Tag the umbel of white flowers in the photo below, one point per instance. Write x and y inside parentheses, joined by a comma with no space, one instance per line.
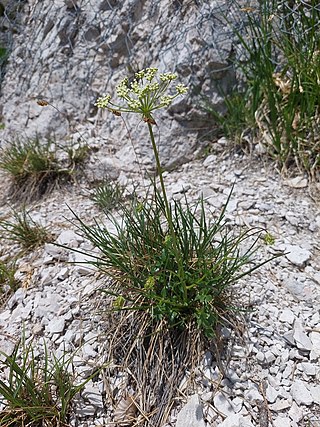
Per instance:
(144,95)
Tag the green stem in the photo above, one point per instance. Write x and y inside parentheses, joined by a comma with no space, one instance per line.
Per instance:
(168,211)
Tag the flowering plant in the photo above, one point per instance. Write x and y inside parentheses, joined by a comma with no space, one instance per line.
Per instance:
(144,95)
(168,259)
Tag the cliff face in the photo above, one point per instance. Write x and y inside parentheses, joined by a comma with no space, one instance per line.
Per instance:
(67,52)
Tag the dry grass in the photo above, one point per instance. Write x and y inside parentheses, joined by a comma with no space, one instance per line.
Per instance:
(150,362)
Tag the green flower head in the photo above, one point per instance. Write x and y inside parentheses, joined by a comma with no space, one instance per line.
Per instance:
(144,94)
(150,283)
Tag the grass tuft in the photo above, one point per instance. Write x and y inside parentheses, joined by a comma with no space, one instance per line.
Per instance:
(24,231)
(147,276)
(34,167)
(37,392)
(8,282)
(279,60)
(108,195)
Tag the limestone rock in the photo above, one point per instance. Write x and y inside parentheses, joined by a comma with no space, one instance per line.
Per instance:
(223,404)
(191,415)
(301,338)
(300,393)
(297,255)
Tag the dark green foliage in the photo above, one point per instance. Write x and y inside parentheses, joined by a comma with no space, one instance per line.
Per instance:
(279,51)
(34,167)
(37,392)
(140,257)
(24,231)
(108,195)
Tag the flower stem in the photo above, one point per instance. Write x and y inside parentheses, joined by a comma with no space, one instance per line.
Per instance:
(168,212)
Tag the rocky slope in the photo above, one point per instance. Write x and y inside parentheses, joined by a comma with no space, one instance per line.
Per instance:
(272,377)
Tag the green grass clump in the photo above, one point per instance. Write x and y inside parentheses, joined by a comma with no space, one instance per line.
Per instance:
(37,392)
(237,121)
(147,276)
(24,231)
(166,258)
(8,283)
(34,167)
(279,58)
(28,158)
(108,195)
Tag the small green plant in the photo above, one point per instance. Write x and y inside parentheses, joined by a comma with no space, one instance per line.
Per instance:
(24,231)
(269,239)
(37,392)
(34,166)
(140,257)
(77,154)
(108,194)
(280,62)
(166,258)
(7,279)
(237,120)
(21,159)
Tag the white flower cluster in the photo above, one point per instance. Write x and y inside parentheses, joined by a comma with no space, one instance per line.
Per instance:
(166,100)
(144,94)
(103,101)
(148,74)
(181,89)
(167,77)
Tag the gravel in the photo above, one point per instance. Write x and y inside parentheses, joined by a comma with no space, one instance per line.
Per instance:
(273,373)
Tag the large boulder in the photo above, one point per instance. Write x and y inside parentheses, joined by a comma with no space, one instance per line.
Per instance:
(67,52)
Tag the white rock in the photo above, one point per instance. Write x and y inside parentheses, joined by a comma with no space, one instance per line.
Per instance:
(210,160)
(271,394)
(260,356)
(232,421)
(89,288)
(57,253)
(280,405)
(315,340)
(210,374)
(237,404)
(6,347)
(297,255)
(56,325)
(287,316)
(207,397)
(253,395)
(236,420)
(307,368)
(5,316)
(282,422)
(93,395)
(300,393)
(295,412)
(207,359)
(239,351)
(88,351)
(269,356)
(297,182)
(69,238)
(83,266)
(223,404)
(17,297)
(246,422)
(315,393)
(85,410)
(180,187)
(191,415)
(285,355)
(301,338)
(63,273)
